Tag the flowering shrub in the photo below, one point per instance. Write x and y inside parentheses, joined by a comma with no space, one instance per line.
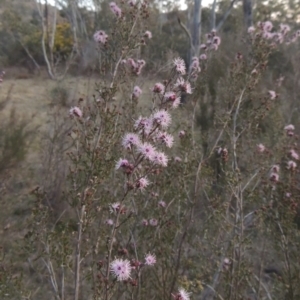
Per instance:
(155,207)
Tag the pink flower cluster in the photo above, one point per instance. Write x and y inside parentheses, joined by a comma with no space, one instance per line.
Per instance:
(135,66)
(140,146)
(122,268)
(195,66)
(100,37)
(291,165)
(274,175)
(115,9)
(265,30)
(212,42)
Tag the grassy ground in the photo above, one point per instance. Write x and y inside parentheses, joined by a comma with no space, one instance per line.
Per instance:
(32,99)
(35,99)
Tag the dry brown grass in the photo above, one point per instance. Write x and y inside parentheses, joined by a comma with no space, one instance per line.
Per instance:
(32,99)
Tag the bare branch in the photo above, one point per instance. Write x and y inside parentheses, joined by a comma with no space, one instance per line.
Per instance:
(226,15)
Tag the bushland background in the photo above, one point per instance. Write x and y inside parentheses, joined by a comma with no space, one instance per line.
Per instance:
(51,61)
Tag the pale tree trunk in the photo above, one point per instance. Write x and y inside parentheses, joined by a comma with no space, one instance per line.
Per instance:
(196,30)
(48,52)
(213,15)
(49,63)
(247,9)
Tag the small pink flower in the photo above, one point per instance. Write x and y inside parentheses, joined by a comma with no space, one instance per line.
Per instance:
(251,29)
(203,57)
(115,9)
(121,269)
(131,63)
(254,72)
(184,86)
(129,140)
(153,222)
(115,207)
(216,40)
(101,37)
(144,222)
(181,133)
(261,148)
(274,177)
(267,26)
(158,88)
(137,66)
(203,46)
(289,127)
(160,158)
(214,47)
(284,28)
(291,165)
(147,150)
(132,2)
(275,168)
(268,35)
(260,25)
(294,154)
(278,37)
(165,138)
(144,124)
(176,103)
(142,183)
(121,163)
(272,94)
(148,34)
(182,295)
(162,203)
(170,96)
(150,259)
(109,222)
(162,118)
(180,65)
(288,195)
(195,65)
(140,64)
(177,159)
(75,112)
(226,263)
(136,92)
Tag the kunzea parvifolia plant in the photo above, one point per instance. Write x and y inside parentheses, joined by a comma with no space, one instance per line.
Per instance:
(148,213)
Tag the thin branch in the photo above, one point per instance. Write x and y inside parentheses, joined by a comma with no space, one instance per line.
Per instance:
(187,33)
(226,15)
(78,251)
